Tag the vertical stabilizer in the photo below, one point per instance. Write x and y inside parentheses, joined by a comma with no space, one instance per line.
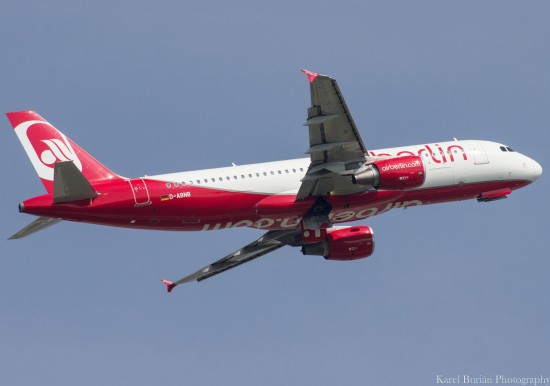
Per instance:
(46,146)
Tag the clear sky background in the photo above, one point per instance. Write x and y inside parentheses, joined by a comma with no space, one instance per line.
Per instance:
(157,87)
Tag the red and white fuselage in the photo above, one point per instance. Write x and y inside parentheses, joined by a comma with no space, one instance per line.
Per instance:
(263,195)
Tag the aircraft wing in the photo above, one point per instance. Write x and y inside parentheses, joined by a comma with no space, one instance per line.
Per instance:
(269,242)
(335,146)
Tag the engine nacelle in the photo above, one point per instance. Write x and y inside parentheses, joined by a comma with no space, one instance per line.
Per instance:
(393,174)
(345,243)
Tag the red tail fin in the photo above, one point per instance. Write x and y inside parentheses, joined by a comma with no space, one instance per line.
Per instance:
(45,146)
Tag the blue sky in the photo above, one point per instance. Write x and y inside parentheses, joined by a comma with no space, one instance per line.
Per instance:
(152,88)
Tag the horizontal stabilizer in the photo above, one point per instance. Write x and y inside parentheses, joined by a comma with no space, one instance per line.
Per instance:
(69,184)
(35,226)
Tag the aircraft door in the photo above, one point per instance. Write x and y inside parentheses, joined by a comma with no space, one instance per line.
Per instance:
(480,155)
(140,192)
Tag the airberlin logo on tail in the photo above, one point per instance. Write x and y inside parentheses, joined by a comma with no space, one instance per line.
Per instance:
(58,151)
(401,165)
(45,146)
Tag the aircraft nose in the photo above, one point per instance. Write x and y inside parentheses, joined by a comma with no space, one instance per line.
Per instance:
(536,168)
(531,169)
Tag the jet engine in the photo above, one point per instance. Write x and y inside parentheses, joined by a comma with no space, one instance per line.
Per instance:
(343,243)
(398,173)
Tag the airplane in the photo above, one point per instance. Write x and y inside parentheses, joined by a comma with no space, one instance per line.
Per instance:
(299,202)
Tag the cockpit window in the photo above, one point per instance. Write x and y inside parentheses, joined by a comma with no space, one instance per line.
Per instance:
(503,148)
(509,149)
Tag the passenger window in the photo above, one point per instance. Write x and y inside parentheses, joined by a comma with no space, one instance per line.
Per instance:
(265,174)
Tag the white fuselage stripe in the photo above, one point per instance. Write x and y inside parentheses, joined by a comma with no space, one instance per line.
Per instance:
(447,163)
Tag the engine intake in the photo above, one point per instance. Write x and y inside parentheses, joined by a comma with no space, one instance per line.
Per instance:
(398,173)
(346,243)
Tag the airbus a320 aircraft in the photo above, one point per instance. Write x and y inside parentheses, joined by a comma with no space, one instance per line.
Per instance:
(298,202)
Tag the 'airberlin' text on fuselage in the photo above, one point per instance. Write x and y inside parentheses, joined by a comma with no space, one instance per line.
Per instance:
(293,222)
(437,155)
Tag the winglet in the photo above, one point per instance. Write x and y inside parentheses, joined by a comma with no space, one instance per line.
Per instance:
(310,75)
(169,285)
